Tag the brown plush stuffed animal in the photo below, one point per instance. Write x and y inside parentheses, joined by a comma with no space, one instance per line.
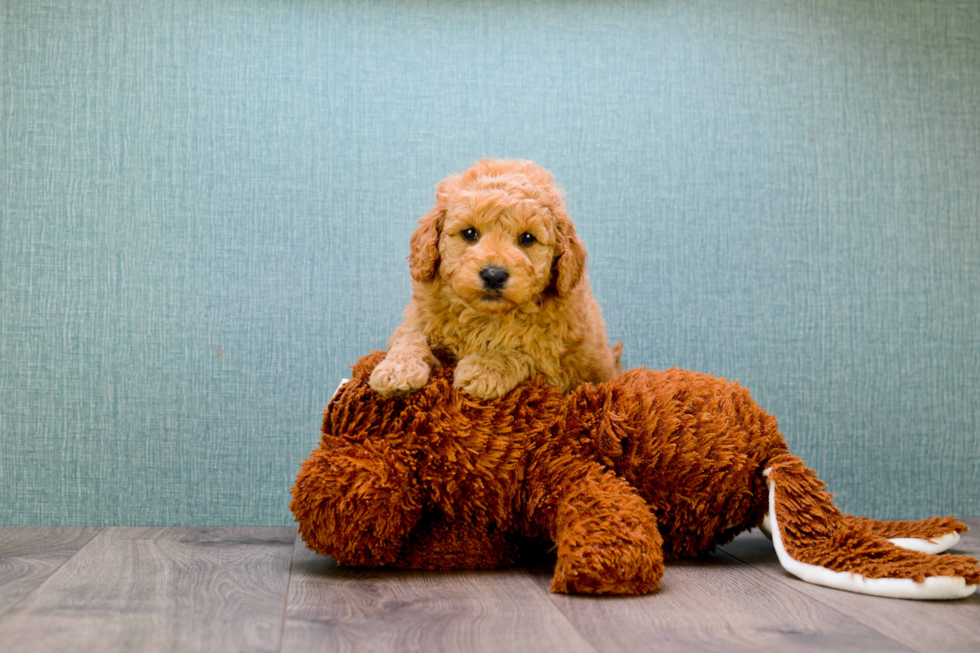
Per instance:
(619,476)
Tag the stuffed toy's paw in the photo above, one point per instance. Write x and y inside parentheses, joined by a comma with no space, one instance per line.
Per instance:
(370,481)
(621,557)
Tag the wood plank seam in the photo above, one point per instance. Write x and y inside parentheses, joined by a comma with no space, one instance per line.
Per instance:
(13,608)
(550,596)
(285,600)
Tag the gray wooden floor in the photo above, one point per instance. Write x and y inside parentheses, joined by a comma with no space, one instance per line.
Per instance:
(245,589)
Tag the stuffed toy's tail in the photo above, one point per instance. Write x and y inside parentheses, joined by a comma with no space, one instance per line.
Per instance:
(818,544)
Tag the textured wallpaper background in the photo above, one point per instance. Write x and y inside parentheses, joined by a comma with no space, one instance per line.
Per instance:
(205,209)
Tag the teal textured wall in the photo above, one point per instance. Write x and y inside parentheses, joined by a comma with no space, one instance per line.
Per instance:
(205,209)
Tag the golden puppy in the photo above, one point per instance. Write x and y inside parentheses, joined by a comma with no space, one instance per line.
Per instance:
(499,282)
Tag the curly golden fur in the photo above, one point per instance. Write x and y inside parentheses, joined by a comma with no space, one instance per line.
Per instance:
(498,282)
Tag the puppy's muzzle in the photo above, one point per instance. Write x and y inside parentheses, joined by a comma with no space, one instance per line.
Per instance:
(494,278)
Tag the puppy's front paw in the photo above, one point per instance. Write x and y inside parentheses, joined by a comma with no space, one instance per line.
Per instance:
(399,376)
(477,379)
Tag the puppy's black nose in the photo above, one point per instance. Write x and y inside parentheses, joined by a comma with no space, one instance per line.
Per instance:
(494,278)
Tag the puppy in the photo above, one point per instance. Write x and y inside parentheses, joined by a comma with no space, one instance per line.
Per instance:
(498,282)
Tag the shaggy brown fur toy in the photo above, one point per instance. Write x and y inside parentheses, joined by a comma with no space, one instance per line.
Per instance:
(619,476)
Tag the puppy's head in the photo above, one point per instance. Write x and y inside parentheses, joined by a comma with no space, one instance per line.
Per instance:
(498,237)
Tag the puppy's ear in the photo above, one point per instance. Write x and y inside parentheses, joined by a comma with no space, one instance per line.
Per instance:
(423,258)
(569,264)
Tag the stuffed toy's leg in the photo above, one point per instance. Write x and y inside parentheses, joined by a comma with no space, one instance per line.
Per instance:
(606,535)
(357,502)
(818,544)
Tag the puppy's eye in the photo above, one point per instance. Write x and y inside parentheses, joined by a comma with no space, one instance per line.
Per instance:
(470,234)
(527,239)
